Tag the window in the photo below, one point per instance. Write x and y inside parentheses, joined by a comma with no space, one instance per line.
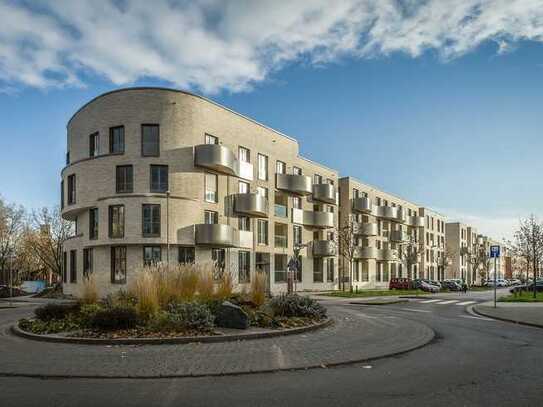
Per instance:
(67,157)
(151,220)
(93,223)
(71,189)
(296,170)
(150,140)
(356,193)
(244,154)
(159,178)
(244,267)
(262,191)
(185,255)
(116,140)
(94,145)
(244,223)
(61,194)
(151,255)
(211,187)
(88,261)
(317,179)
(218,256)
(330,270)
(243,187)
(317,270)
(124,182)
(280,264)
(297,234)
(64,267)
(118,265)
(262,232)
(281,235)
(116,221)
(209,139)
(297,202)
(73,266)
(211,217)
(280,167)
(262,167)
(356,270)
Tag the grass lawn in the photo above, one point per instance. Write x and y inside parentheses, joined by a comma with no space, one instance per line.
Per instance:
(523,297)
(373,293)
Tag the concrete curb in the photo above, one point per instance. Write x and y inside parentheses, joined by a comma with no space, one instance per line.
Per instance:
(379,303)
(514,321)
(169,341)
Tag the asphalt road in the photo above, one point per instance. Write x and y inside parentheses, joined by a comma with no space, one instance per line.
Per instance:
(473,362)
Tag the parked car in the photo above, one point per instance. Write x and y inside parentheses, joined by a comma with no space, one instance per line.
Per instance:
(451,285)
(528,287)
(425,285)
(399,284)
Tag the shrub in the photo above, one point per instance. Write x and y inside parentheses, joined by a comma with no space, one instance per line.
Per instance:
(190,316)
(257,293)
(145,289)
(89,291)
(206,285)
(109,319)
(48,327)
(52,311)
(225,286)
(292,305)
(87,313)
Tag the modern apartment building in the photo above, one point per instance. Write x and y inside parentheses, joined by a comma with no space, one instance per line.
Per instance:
(456,237)
(163,175)
(432,235)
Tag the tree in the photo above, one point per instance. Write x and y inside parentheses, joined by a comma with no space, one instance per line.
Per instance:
(445,260)
(529,244)
(347,243)
(410,253)
(12,223)
(478,259)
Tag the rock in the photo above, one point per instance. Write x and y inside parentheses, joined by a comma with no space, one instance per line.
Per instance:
(231,316)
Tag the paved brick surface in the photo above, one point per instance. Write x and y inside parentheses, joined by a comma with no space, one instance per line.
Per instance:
(524,313)
(353,337)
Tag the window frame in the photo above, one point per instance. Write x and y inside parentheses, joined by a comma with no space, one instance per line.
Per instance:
(94,144)
(154,154)
(112,139)
(151,221)
(73,266)
(266,162)
(216,192)
(244,275)
(245,149)
(211,137)
(115,260)
(152,261)
(72,190)
(185,250)
(159,168)
(121,226)
(128,180)
(94,223)
(88,261)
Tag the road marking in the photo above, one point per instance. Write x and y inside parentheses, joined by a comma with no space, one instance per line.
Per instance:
(429,301)
(415,310)
(466,302)
(472,317)
(447,302)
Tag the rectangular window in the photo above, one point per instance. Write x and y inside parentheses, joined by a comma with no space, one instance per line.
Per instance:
(71,189)
(152,255)
(61,194)
(93,223)
(262,167)
(262,191)
(73,266)
(297,234)
(317,179)
(244,154)
(296,170)
(64,267)
(218,256)
(151,220)
(159,178)
(124,182)
(209,139)
(280,167)
(88,261)
(186,255)
(116,140)
(280,267)
(317,270)
(356,193)
(150,140)
(94,145)
(243,187)
(211,217)
(262,232)
(211,187)
(118,265)
(244,267)
(116,221)
(330,270)
(297,202)
(245,223)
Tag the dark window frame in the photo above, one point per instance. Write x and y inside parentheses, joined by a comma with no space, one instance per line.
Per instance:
(112,140)
(182,254)
(118,261)
(93,223)
(244,275)
(151,261)
(72,189)
(128,180)
(94,144)
(160,183)
(88,261)
(151,221)
(111,208)
(73,266)
(157,154)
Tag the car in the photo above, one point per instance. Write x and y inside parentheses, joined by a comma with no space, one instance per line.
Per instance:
(451,285)
(529,286)
(425,285)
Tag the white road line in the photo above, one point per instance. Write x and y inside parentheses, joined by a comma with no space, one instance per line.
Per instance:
(481,318)
(429,301)
(466,302)
(447,302)
(415,310)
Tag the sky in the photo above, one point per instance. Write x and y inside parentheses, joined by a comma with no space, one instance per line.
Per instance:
(437,101)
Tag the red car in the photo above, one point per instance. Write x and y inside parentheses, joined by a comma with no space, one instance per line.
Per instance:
(399,284)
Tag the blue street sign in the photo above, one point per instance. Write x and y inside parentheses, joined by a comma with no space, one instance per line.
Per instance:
(494,251)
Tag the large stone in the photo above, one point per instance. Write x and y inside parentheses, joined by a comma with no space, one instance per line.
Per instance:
(231,316)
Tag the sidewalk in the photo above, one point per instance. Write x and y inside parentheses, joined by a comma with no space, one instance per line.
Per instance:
(518,312)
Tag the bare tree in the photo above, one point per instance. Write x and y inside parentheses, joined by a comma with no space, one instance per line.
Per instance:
(445,260)
(347,244)
(410,253)
(12,223)
(529,244)
(478,259)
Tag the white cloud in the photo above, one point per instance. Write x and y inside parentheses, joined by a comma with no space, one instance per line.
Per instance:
(213,45)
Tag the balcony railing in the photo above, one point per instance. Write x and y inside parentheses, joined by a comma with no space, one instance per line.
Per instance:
(251,205)
(295,184)
(221,159)
(316,219)
(324,193)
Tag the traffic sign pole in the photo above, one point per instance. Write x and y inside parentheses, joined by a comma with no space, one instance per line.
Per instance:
(495,252)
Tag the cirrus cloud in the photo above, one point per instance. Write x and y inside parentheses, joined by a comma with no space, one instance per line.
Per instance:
(211,45)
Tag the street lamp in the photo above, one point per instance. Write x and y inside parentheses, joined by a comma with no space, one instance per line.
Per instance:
(168,227)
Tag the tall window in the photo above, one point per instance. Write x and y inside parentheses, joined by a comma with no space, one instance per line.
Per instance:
(244,154)
(211,217)
(151,255)
(262,231)
(62,194)
(64,267)
(73,266)
(243,187)
(262,167)
(151,220)
(116,221)
(356,193)
(150,140)
(211,187)
(280,167)
(297,234)
(94,145)
(124,182)
(280,268)
(88,261)
(317,179)
(118,265)
(244,223)
(159,178)
(262,191)
(330,270)
(71,189)
(244,267)
(296,170)
(93,223)
(297,202)
(317,270)
(116,140)
(185,255)
(209,139)
(218,257)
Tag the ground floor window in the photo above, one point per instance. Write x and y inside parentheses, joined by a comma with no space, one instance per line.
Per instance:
(73,266)
(356,270)
(330,270)
(118,265)
(244,267)
(365,275)
(152,255)
(317,270)
(386,272)
(219,261)
(378,272)
(88,261)
(280,267)
(185,255)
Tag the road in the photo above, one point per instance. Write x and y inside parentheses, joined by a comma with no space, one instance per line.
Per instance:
(474,361)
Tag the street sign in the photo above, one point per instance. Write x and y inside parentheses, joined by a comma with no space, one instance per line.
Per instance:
(494,251)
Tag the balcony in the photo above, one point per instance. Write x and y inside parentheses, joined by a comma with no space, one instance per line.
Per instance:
(221,159)
(376,254)
(251,205)
(323,248)
(316,219)
(365,229)
(363,205)
(399,236)
(324,193)
(216,235)
(415,221)
(295,184)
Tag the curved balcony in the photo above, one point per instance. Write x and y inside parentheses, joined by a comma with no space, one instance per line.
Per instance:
(363,205)
(315,219)
(415,221)
(323,248)
(387,255)
(293,183)
(387,212)
(251,205)
(376,254)
(324,193)
(216,235)
(365,229)
(221,159)
(399,236)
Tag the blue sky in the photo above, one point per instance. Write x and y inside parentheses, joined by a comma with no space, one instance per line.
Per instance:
(453,126)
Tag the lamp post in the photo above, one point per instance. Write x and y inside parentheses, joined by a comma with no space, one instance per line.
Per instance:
(168,227)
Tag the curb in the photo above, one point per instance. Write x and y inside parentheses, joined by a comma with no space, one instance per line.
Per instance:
(168,341)
(378,302)
(513,321)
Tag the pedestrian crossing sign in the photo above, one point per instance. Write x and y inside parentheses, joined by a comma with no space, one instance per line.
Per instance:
(494,251)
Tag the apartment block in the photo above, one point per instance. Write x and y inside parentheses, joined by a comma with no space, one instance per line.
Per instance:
(433,239)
